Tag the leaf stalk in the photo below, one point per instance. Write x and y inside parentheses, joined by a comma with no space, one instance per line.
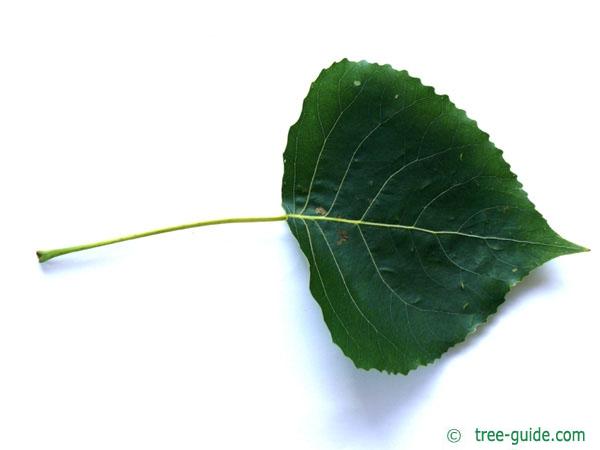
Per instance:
(45,255)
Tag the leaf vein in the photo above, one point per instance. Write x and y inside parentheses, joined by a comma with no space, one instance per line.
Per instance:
(326,138)
(323,284)
(414,161)
(425,230)
(361,144)
(362,314)
(391,289)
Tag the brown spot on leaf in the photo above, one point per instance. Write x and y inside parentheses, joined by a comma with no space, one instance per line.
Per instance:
(342,237)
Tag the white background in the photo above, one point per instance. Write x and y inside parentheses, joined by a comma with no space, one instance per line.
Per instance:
(122,116)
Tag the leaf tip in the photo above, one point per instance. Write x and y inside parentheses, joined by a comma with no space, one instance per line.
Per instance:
(580,249)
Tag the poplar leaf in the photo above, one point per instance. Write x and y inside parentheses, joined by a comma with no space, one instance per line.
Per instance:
(413,225)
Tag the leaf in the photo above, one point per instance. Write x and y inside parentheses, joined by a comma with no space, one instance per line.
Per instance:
(413,225)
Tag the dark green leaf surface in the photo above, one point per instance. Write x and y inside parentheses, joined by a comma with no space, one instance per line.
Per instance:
(412,222)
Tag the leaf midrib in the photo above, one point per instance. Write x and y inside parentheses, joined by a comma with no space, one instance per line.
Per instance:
(424,230)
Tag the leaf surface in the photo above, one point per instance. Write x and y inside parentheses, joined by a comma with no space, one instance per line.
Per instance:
(413,225)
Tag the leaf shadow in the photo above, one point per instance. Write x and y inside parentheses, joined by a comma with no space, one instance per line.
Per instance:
(381,406)
(84,261)
(72,263)
(371,407)
(546,277)
(368,407)
(384,403)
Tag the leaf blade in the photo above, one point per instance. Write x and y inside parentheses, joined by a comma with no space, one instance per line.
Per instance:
(412,222)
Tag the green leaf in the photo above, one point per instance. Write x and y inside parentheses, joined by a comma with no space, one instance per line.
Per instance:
(413,225)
